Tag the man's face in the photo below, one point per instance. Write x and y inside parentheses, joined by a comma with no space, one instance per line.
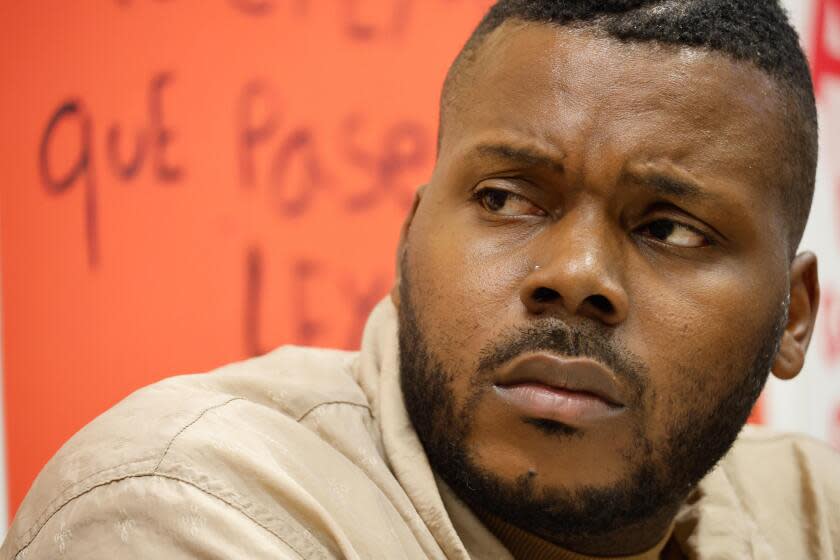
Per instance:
(593,282)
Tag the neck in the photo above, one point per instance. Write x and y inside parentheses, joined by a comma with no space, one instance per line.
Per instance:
(645,539)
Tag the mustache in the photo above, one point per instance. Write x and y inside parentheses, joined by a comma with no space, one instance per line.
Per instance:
(553,335)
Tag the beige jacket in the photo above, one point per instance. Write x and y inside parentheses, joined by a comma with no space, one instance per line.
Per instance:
(309,453)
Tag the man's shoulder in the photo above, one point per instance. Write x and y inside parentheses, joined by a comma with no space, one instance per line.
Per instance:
(292,380)
(788,485)
(764,452)
(211,431)
(285,385)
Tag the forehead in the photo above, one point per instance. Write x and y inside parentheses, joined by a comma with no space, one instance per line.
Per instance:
(574,90)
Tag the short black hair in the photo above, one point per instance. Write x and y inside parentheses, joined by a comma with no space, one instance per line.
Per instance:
(753,31)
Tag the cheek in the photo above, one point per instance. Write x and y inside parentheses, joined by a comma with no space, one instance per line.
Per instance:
(464,291)
(700,340)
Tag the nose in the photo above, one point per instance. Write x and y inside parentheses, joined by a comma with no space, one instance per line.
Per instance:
(579,271)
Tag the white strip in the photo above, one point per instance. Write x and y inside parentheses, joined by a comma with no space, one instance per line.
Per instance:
(4,495)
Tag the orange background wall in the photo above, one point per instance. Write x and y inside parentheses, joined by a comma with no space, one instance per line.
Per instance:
(190,182)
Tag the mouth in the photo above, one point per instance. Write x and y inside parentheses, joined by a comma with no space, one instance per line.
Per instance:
(572,391)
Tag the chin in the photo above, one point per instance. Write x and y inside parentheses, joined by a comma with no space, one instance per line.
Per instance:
(552,457)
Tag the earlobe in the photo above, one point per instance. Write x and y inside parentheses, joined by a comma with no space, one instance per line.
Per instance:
(401,248)
(790,358)
(802,315)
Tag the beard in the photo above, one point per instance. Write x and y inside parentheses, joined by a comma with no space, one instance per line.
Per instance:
(659,475)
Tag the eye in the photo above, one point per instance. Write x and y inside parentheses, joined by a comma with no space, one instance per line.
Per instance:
(675,233)
(506,203)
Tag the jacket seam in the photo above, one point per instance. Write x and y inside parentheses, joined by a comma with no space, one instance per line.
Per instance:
(184,428)
(62,498)
(319,405)
(57,503)
(158,475)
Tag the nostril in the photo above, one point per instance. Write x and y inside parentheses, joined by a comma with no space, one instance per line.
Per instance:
(545,295)
(601,303)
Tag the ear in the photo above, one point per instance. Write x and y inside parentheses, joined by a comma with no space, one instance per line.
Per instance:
(802,316)
(401,248)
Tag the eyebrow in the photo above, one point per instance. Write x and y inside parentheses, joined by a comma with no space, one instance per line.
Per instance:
(668,185)
(662,183)
(523,155)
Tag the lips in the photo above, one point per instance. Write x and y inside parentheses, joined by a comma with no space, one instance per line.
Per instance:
(566,390)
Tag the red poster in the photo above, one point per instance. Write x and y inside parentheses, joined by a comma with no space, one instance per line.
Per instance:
(189,183)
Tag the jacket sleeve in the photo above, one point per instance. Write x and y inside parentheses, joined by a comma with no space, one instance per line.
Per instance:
(147,517)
